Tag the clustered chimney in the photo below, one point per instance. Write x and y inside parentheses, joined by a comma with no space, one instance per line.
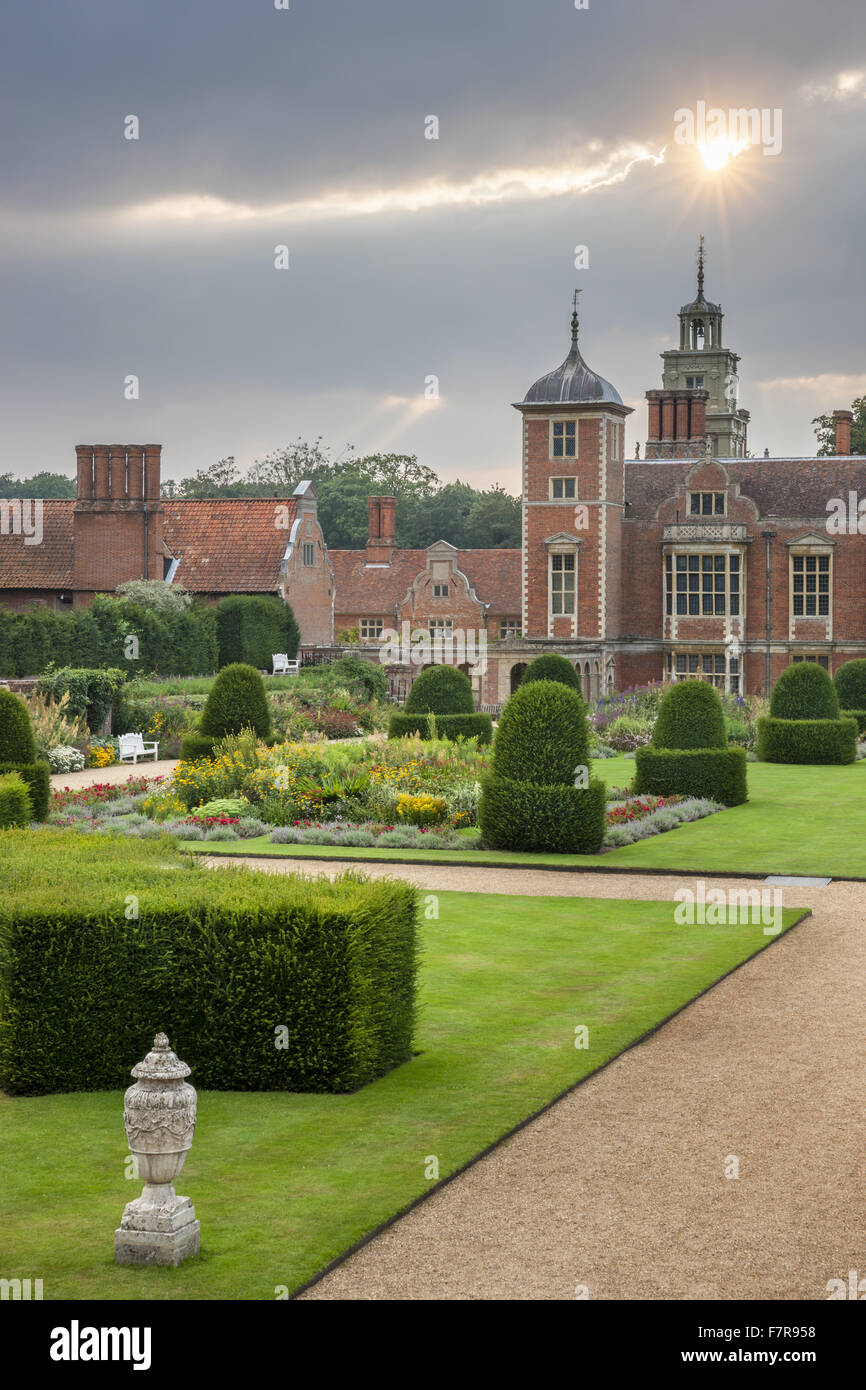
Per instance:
(118,516)
(843,420)
(677,424)
(381,532)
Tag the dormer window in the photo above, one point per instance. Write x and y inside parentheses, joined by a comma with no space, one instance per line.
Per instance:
(563,439)
(706,504)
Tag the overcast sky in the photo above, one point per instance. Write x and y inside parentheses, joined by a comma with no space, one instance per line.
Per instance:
(412,258)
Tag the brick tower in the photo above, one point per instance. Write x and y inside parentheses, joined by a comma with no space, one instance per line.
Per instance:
(573,498)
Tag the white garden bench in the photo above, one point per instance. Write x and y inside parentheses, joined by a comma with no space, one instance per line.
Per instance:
(131,747)
(282,665)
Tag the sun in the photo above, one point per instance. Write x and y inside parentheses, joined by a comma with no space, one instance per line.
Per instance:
(718,152)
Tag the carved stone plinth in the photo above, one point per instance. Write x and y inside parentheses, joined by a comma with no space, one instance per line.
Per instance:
(158,1228)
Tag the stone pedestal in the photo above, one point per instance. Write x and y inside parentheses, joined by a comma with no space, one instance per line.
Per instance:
(158,1228)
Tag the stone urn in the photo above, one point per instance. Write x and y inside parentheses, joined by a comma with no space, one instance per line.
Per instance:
(159,1227)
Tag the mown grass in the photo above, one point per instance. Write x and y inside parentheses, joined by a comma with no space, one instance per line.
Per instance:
(284,1183)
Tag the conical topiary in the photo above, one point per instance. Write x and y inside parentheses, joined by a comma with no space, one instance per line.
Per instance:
(17,744)
(237,701)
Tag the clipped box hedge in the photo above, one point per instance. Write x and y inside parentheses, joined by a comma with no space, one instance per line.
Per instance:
(716,773)
(807,740)
(859,715)
(478,726)
(38,779)
(227,963)
(553,819)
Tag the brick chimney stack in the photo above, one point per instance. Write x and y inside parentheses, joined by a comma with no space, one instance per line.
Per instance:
(381,530)
(843,420)
(118,517)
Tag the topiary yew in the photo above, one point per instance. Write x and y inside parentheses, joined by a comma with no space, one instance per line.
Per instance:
(552,667)
(850,683)
(237,701)
(804,691)
(689,754)
(538,795)
(804,724)
(441,690)
(17,744)
(690,716)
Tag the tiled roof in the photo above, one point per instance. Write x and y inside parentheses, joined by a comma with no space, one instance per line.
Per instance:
(47,565)
(359,587)
(783,488)
(228,545)
(224,545)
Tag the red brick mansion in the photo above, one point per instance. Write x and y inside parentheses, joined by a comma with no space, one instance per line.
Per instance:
(695,560)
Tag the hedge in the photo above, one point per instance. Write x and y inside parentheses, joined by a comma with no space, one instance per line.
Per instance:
(194,746)
(92,692)
(719,774)
(38,778)
(555,819)
(807,740)
(552,667)
(251,628)
(17,744)
(850,683)
(441,690)
(15,804)
(230,965)
(859,715)
(453,726)
(175,644)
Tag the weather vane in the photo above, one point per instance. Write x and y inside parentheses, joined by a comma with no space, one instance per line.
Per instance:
(574,319)
(701,267)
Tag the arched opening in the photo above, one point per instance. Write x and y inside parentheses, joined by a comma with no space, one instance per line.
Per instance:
(698,334)
(517,674)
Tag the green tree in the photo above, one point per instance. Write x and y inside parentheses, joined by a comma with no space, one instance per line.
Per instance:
(826,430)
(43,485)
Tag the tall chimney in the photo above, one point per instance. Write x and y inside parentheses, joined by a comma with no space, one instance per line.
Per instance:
(84,461)
(380,533)
(100,472)
(387,508)
(152,453)
(843,420)
(117,462)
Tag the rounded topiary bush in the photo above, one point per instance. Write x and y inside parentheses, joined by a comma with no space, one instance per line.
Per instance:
(17,744)
(804,724)
(689,753)
(542,735)
(441,690)
(690,716)
(551,667)
(804,691)
(538,795)
(850,683)
(237,701)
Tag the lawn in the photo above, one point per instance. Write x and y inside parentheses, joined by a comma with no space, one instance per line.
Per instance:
(285,1183)
(798,820)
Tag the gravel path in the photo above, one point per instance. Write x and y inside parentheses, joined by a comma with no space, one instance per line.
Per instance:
(620,1188)
(119,773)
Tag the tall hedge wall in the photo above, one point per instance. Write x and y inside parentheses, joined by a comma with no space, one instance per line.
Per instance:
(175,644)
(103,950)
(252,627)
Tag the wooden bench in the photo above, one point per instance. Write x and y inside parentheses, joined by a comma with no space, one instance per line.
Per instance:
(131,747)
(282,665)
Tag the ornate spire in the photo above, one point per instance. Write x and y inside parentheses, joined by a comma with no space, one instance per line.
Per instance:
(574,320)
(701,269)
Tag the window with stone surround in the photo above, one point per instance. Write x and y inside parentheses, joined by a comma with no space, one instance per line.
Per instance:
(706,504)
(309,554)
(563,586)
(705,666)
(563,439)
(509,628)
(702,584)
(440,590)
(562,488)
(371,629)
(819,660)
(810,585)
(438,626)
